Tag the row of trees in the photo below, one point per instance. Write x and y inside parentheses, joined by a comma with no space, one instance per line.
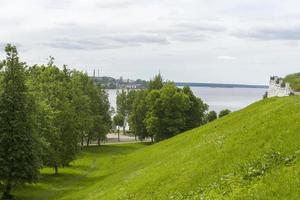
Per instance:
(161,111)
(212,115)
(46,114)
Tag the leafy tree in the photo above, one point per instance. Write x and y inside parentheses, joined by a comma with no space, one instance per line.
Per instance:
(166,115)
(195,115)
(82,105)
(102,118)
(211,116)
(125,101)
(165,110)
(122,107)
(66,123)
(156,83)
(224,112)
(118,121)
(95,112)
(56,113)
(18,151)
(138,115)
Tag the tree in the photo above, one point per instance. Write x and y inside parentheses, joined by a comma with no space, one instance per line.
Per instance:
(138,115)
(56,113)
(224,112)
(122,107)
(65,121)
(118,121)
(124,104)
(103,121)
(166,112)
(82,105)
(19,158)
(211,116)
(156,83)
(195,115)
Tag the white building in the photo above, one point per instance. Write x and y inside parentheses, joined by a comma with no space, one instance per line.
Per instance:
(278,88)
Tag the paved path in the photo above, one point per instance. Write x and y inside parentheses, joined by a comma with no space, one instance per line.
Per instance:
(112,138)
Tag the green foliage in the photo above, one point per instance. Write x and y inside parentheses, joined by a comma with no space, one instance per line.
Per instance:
(125,100)
(55,114)
(195,115)
(70,108)
(19,161)
(156,83)
(165,110)
(104,121)
(118,120)
(138,115)
(253,153)
(294,81)
(224,113)
(211,116)
(56,108)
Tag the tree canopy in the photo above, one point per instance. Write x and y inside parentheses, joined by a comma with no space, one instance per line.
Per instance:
(224,112)
(45,113)
(164,110)
(19,156)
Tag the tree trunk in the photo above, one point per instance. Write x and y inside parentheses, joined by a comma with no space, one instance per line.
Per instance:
(6,192)
(56,168)
(124,125)
(152,138)
(98,141)
(88,142)
(81,146)
(118,135)
(135,137)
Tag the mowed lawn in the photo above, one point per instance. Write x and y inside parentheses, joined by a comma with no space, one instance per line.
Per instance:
(93,165)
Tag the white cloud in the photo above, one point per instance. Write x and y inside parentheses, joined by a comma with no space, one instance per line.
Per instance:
(226,58)
(129,37)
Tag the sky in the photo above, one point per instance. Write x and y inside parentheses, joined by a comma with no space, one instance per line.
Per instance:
(232,41)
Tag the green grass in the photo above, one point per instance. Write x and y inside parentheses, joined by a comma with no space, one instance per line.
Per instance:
(294,80)
(250,154)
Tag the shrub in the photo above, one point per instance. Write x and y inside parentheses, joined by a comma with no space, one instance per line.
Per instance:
(224,112)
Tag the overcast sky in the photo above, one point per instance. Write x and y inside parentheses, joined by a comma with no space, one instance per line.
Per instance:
(232,41)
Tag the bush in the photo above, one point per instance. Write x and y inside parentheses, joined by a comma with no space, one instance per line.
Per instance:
(211,116)
(224,112)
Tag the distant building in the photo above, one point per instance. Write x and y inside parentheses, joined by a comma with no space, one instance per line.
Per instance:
(279,88)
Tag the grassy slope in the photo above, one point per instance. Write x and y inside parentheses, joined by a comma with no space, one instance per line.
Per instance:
(294,80)
(225,159)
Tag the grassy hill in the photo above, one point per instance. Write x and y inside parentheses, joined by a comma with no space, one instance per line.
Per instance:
(250,154)
(294,80)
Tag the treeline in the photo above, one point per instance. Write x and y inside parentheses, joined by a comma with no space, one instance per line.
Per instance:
(161,111)
(46,114)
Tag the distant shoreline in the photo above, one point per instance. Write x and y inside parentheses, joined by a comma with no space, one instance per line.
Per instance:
(219,85)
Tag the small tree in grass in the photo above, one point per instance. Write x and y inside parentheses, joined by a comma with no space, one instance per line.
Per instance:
(19,162)
(211,116)
(224,112)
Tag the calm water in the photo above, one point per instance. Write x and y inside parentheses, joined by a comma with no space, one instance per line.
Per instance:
(219,98)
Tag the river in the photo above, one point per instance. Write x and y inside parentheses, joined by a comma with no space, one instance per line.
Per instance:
(218,98)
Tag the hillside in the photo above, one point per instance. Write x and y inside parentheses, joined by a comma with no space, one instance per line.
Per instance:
(250,154)
(294,80)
